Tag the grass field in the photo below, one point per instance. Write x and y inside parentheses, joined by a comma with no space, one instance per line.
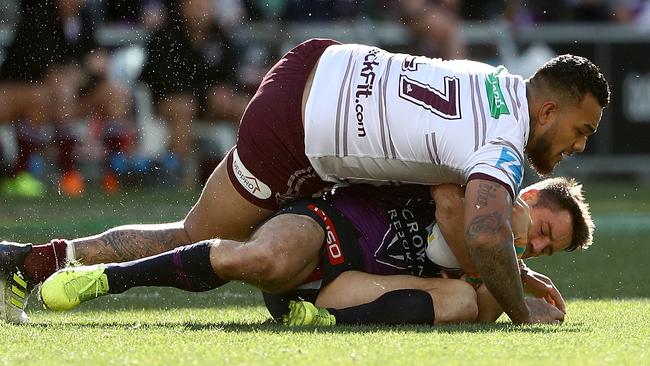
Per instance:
(607,288)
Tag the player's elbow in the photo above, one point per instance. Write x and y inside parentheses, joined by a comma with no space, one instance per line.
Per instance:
(449,201)
(449,210)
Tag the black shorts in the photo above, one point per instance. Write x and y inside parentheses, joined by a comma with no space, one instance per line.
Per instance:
(340,252)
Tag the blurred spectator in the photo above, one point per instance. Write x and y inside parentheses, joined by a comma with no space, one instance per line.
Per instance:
(149,14)
(191,71)
(230,14)
(260,10)
(592,10)
(124,11)
(483,10)
(434,25)
(635,12)
(296,10)
(53,73)
(533,12)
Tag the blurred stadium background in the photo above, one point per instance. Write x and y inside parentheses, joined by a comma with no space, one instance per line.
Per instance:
(520,34)
(128,153)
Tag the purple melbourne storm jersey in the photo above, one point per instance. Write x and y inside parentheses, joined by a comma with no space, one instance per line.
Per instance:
(392,223)
(377,117)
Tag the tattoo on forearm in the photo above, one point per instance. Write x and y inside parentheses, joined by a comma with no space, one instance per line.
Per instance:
(125,244)
(485,224)
(486,190)
(498,268)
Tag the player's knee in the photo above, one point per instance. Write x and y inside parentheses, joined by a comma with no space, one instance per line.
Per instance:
(267,262)
(274,268)
(255,262)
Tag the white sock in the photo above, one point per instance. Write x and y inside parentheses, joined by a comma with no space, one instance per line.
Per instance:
(69,252)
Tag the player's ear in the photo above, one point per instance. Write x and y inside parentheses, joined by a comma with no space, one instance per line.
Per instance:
(547,112)
(531,196)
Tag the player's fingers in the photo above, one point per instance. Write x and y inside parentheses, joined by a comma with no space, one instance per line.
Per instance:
(549,299)
(559,302)
(555,298)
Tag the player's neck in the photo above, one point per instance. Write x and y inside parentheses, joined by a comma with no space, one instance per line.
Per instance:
(532,119)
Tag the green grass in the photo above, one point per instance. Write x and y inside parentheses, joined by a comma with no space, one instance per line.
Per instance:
(606,288)
(597,332)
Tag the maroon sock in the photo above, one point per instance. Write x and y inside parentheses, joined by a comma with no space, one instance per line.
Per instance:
(45,259)
(67,143)
(117,137)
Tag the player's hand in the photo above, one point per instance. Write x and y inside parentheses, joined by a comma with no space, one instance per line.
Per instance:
(521,221)
(542,286)
(543,312)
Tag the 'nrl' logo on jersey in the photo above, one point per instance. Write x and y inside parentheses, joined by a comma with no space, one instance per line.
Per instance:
(495,96)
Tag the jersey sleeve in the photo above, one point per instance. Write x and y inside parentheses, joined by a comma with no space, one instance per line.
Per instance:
(499,161)
(501,164)
(501,157)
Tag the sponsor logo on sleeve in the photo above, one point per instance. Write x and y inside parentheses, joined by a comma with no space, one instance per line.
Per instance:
(252,184)
(508,160)
(495,96)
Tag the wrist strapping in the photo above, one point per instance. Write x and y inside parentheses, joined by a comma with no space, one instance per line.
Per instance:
(474,279)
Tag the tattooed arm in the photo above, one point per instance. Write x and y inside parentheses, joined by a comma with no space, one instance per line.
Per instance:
(488,235)
(125,243)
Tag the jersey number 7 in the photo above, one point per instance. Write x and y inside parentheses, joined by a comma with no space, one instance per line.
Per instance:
(445,104)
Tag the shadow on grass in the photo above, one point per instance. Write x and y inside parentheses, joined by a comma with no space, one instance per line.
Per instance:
(271,326)
(159,298)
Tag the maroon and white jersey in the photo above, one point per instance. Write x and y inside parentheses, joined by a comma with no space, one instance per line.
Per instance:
(378,117)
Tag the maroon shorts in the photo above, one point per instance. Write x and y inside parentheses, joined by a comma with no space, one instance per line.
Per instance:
(268,165)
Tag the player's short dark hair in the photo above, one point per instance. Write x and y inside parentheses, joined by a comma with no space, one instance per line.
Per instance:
(561,193)
(575,76)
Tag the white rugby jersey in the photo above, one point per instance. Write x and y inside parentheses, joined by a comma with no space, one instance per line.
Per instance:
(378,117)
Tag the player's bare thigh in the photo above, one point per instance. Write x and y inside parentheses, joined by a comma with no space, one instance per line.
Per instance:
(221,212)
(453,300)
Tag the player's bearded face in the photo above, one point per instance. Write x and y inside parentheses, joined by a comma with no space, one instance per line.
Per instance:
(540,153)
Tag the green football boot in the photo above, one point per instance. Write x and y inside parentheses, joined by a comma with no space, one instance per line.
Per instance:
(70,287)
(15,287)
(304,313)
